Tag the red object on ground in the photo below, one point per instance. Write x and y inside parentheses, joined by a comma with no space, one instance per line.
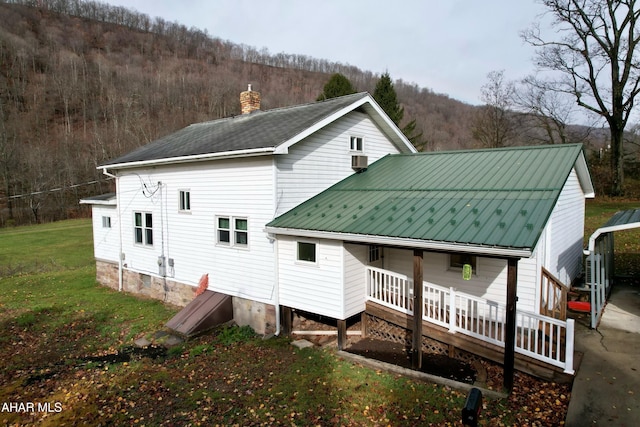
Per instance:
(579,306)
(203,285)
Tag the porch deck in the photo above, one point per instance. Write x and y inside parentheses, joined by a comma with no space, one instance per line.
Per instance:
(543,345)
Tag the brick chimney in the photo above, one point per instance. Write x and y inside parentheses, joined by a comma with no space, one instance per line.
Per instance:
(249,101)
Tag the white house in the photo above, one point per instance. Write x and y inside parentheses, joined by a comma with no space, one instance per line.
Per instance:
(466,233)
(475,207)
(197,202)
(327,208)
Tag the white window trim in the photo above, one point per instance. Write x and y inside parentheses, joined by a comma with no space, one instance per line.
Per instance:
(232,232)
(106,221)
(181,207)
(303,262)
(144,227)
(355,150)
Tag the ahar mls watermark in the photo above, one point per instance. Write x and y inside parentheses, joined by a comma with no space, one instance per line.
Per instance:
(27,407)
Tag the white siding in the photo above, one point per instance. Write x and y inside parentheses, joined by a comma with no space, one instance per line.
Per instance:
(324,158)
(254,188)
(567,232)
(232,187)
(528,284)
(355,260)
(316,288)
(489,281)
(105,240)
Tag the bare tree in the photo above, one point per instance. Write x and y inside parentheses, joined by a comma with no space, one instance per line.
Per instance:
(595,58)
(494,125)
(550,113)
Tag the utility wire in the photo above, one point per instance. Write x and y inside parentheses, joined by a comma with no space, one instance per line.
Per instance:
(52,190)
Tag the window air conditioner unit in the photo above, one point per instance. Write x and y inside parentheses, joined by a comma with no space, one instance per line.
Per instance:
(359,162)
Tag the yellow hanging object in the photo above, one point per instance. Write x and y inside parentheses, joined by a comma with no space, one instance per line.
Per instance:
(466,271)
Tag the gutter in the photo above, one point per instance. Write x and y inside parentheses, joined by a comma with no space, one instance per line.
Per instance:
(120,254)
(403,242)
(193,158)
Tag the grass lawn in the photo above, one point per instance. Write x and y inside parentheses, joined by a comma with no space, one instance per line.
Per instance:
(56,323)
(627,243)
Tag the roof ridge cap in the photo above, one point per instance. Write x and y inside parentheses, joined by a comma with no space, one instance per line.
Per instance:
(285,107)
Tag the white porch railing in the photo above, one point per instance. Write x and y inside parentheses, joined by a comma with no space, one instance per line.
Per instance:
(390,289)
(540,337)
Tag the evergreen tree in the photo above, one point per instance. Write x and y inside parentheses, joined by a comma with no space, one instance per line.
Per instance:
(338,85)
(385,96)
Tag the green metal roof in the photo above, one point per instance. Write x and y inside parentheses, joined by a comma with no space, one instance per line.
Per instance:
(622,220)
(498,198)
(629,216)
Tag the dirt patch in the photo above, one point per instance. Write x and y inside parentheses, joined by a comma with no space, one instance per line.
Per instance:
(397,354)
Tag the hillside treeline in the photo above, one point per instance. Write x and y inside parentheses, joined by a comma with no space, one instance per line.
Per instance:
(82,82)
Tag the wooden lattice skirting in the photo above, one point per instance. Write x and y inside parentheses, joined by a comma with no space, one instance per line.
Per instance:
(384,330)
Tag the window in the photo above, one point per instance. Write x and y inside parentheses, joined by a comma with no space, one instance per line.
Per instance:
(241,231)
(232,231)
(185,200)
(106,222)
(374,253)
(356,143)
(457,261)
(143,228)
(306,252)
(223,231)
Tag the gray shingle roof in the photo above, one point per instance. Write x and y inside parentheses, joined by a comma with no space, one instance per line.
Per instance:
(256,130)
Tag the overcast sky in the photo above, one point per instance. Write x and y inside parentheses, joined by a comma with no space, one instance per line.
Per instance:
(448,46)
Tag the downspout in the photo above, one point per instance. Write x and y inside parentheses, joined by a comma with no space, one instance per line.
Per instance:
(120,254)
(276,274)
(276,293)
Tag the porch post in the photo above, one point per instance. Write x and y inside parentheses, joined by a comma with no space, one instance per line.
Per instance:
(342,334)
(510,327)
(416,344)
(287,320)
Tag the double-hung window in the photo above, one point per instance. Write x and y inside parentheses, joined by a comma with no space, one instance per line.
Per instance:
(356,144)
(232,231)
(143,228)
(185,201)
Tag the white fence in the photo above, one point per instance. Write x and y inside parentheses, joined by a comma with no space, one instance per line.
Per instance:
(540,337)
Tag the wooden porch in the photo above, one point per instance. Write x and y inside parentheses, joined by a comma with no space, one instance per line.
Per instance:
(543,344)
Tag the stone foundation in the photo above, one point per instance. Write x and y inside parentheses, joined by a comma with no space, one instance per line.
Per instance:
(261,317)
(107,273)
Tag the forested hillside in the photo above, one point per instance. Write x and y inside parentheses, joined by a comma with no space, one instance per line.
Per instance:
(82,82)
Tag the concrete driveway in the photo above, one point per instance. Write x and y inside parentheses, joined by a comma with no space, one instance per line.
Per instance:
(606,389)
